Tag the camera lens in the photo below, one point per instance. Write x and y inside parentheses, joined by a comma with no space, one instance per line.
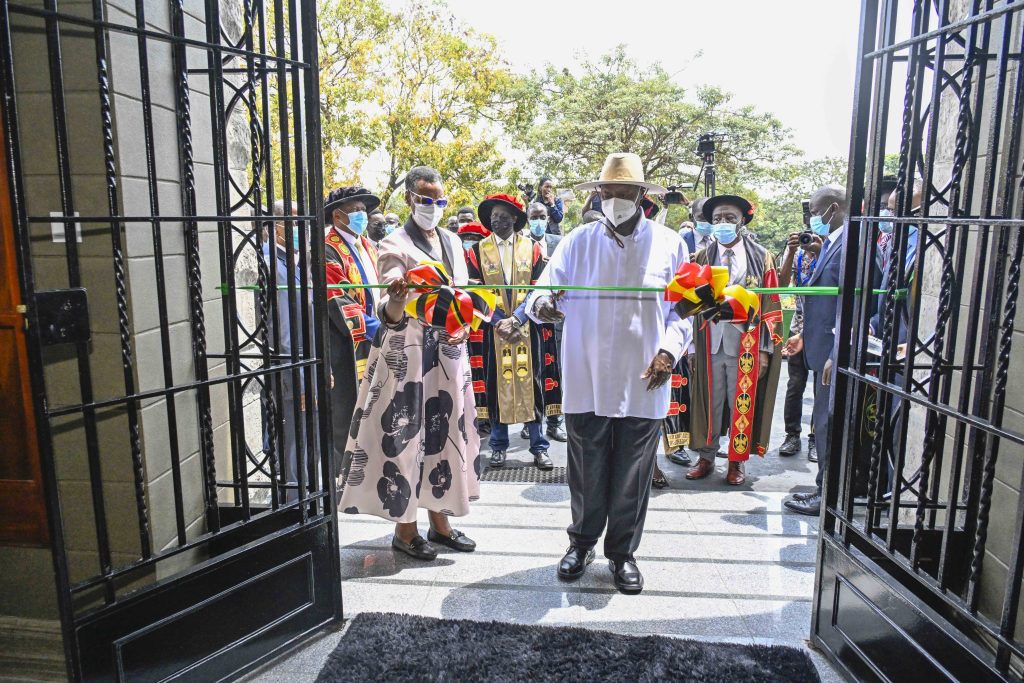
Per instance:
(806,238)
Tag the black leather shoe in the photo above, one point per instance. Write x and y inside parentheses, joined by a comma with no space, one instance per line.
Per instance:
(497,458)
(804,495)
(628,578)
(791,446)
(680,458)
(812,451)
(542,461)
(809,506)
(456,540)
(524,434)
(556,433)
(575,563)
(417,548)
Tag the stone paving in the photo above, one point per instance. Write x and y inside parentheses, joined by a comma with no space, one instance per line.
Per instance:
(720,563)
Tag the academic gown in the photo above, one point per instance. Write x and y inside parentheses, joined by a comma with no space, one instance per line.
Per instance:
(753,399)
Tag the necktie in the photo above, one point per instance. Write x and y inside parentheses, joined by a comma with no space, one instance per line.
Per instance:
(729,256)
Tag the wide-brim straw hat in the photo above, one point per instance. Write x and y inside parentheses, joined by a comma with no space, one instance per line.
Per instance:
(622,168)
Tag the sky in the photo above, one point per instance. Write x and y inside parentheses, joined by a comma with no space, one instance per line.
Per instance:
(794,58)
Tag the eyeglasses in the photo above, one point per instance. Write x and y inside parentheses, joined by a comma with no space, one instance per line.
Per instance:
(427,201)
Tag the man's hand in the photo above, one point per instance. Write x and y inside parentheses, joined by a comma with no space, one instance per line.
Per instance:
(546,310)
(691,360)
(459,337)
(793,241)
(765,361)
(794,345)
(659,371)
(508,330)
(826,374)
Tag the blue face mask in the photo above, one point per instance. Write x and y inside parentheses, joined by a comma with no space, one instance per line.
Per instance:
(725,233)
(538,226)
(388,228)
(886,226)
(357,222)
(704,229)
(819,227)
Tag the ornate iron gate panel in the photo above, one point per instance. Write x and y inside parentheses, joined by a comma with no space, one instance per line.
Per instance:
(176,352)
(921,555)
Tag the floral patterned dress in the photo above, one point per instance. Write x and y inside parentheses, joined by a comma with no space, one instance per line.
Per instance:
(409,445)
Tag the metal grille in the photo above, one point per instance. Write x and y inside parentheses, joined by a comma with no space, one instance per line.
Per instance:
(517,472)
(918,494)
(205,113)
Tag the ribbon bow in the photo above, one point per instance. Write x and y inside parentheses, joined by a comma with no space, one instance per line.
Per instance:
(705,292)
(442,306)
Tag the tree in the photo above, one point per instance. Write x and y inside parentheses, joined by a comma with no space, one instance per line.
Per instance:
(448,100)
(780,211)
(350,34)
(614,105)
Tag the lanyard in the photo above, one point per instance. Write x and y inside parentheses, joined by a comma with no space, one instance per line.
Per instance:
(800,281)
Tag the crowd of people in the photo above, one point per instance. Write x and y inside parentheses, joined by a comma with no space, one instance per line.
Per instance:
(411,403)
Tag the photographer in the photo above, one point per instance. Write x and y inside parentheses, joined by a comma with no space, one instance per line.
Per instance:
(803,249)
(546,196)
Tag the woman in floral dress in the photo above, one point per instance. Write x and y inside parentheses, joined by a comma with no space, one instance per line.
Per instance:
(409,446)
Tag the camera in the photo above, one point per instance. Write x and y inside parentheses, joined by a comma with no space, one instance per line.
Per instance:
(706,142)
(673,196)
(806,204)
(527,189)
(806,238)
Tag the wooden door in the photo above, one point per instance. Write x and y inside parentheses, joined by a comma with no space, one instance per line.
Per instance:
(22,512)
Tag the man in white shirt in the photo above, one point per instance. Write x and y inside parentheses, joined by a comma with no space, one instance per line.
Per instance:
(625,345)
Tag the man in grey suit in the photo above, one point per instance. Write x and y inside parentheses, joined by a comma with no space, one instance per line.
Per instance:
(818,341)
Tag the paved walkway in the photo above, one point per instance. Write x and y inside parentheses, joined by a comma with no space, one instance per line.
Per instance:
(720,563)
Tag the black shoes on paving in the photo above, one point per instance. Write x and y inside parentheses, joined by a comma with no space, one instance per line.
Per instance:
(812,450)
(556,433)
(791,446)
(417,547)
(625,573)
(456,540)
(542,461)
(627,576)
(497,458)
(421,550)
(575,563)
(805,503)
(680,458)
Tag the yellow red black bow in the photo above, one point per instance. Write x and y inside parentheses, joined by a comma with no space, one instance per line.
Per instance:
(442,306)
(704,291)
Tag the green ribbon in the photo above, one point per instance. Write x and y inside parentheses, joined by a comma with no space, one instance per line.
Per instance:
(796,291)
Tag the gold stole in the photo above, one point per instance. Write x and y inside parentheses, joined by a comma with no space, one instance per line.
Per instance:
(514,371)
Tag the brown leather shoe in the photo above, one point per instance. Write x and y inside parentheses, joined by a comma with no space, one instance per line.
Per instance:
(702,469)
(735,475)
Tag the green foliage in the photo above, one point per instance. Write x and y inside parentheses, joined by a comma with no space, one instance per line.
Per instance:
(612,104)
(780,212)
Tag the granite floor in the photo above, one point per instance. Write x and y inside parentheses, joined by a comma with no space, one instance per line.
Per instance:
(720,563)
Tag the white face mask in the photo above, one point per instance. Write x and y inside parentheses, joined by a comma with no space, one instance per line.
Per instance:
(427,217)
(618,211)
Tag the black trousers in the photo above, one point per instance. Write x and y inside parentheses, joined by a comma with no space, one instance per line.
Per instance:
(611,462)
(793,410)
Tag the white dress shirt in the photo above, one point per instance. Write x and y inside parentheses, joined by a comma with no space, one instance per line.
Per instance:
(505,251)
(610,338)
(739,261)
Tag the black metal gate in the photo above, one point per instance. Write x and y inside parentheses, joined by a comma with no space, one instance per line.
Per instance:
(921,555)
(177,370)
